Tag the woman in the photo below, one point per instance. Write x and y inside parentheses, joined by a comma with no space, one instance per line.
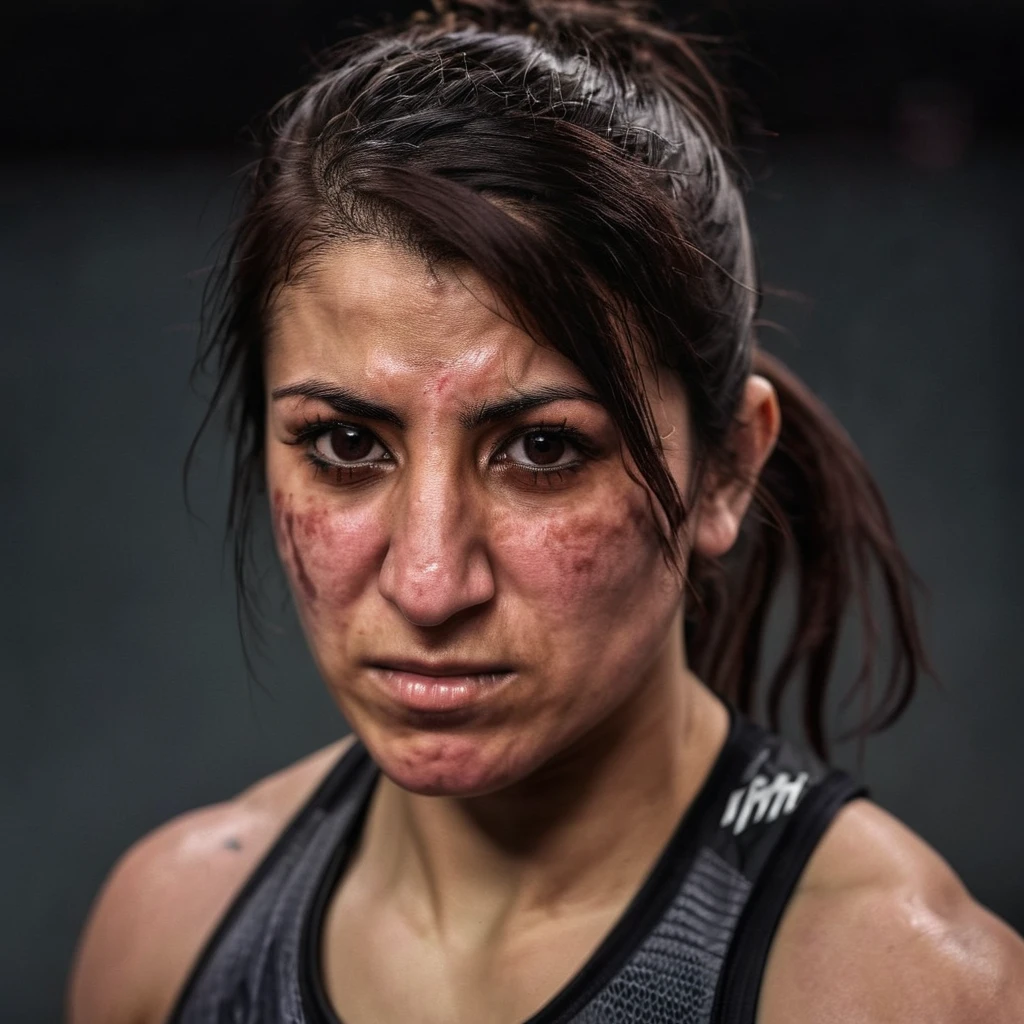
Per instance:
(488,343)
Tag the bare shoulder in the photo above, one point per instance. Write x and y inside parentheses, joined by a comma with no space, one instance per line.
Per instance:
(880,929)
(166,894)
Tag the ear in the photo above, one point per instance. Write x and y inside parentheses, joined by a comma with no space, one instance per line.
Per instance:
(723,500)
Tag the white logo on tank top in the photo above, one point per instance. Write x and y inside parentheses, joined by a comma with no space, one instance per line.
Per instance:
(763,799)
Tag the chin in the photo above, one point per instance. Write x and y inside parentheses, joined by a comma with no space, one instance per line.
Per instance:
(435,763)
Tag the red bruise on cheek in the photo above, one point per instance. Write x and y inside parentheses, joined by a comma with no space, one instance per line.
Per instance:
(285,527)
(308,586)
(583,555)
(602,548)
(329,549)
(310,525)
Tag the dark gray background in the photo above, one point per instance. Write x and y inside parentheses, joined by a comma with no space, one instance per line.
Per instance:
(125,696)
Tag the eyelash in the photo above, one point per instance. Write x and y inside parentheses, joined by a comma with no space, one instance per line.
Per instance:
(309,433)
(313,429)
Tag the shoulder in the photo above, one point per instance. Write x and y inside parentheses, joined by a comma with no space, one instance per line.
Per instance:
(880,929)
(166,894)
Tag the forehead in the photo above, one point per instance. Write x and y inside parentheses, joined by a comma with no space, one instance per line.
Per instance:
(372,310)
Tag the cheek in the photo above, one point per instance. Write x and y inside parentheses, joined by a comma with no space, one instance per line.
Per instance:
(328,553)
(584,562)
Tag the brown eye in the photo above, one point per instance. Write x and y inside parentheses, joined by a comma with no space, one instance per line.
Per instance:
(349,444)
(543,449)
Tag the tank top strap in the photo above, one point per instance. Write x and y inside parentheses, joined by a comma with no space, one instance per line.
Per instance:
(762,834)
(261,924)
(690,948)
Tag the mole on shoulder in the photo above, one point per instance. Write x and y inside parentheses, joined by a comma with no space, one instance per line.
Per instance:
(232,844)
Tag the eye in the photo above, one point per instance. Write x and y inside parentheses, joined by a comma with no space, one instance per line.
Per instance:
(542,449)
(347,444)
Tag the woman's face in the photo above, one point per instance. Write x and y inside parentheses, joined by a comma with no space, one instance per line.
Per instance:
(479,578)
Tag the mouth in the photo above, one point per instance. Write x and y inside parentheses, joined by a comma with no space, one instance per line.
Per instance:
(439,686)
(441,669)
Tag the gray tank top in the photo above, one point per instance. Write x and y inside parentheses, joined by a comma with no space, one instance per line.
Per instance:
(689,949)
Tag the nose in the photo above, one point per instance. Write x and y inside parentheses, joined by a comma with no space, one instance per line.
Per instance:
(436,563)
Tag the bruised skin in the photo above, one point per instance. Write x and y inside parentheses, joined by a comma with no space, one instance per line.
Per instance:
(319,549)
(443,556)
(289,549)
(576,567)
(568,557)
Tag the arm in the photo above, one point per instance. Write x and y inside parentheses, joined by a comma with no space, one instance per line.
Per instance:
(881,930)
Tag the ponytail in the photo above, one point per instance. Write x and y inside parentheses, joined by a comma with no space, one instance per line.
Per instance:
(818,512)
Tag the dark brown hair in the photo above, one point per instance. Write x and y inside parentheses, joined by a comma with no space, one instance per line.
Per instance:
(578,156)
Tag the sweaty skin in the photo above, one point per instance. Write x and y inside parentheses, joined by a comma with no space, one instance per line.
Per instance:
(442,525)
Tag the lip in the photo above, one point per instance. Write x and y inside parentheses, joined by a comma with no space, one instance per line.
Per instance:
(441,669)
(440,686)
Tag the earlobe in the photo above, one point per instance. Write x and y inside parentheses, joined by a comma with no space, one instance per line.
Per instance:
(716,529)
(725,498)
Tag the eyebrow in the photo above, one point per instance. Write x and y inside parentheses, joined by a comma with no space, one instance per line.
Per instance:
(341,400)
(523,401)
(346,402)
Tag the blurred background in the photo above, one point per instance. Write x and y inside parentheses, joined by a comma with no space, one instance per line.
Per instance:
(888,208)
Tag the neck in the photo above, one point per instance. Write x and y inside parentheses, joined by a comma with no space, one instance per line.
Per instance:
(577,836)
